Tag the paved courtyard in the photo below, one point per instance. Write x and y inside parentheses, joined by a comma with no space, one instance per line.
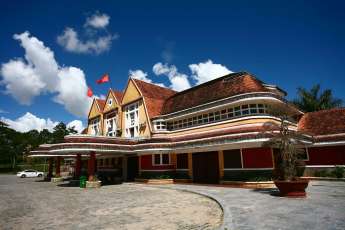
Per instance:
(323,209)
(27,204)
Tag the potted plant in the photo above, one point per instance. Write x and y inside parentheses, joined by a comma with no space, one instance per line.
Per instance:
(287,145)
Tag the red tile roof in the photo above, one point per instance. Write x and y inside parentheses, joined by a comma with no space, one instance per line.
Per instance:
(101,104)
(324,122)
(154,96)
(153,91)
(118,95)
(223,87)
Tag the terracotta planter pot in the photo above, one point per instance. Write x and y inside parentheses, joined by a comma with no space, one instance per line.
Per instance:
(292,188)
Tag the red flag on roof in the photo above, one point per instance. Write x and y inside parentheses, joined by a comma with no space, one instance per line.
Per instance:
(103,79)
(89,92)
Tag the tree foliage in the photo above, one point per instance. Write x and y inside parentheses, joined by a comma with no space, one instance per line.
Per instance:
(315,100)
(14,145)
(288,143)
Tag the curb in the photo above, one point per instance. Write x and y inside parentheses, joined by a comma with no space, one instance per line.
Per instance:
(227,218)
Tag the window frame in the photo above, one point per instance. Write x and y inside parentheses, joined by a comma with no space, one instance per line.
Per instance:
(160,159)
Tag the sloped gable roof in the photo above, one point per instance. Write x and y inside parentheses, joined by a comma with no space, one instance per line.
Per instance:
(154,96)
(118,95)
(223,87)
(101,104)
(324,122)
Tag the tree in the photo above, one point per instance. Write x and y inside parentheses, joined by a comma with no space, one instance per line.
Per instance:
(315,100)
(60,131)
(288,143)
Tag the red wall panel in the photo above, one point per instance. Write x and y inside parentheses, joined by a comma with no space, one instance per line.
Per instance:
(146,164)
(257,158)
(328,155)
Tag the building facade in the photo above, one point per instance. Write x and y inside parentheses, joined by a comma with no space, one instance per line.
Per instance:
(211,132)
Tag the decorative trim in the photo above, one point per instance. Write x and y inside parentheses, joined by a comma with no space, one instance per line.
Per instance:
(323,166)
(157,170)
(246,169)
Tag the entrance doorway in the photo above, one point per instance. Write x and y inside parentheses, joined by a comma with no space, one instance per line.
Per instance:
(205,167)
(132,167)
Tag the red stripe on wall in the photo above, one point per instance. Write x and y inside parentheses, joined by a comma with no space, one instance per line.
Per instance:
(328,155)
(146,164)
(257,158)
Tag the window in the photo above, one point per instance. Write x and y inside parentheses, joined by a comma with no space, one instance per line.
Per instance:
(303,154)
(237,111)
(161,159)
(232,158)
(95,127)
(111,124)
(225,113)
(110,101)
(160,125)
(132,120)
(245,110)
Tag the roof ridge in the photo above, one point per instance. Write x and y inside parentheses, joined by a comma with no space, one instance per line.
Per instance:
(153,84)
(234,74)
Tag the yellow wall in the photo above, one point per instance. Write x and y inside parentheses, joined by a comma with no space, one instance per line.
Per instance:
(131,94)
(94,113)
(109,108)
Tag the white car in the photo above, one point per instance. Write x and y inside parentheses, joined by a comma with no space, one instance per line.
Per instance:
(29,173)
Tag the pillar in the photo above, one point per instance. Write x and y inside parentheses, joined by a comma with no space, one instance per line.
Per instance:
(91,166)
(221,164)
(190,165)
(50,168)
(77,166)
(57,166)
(124,168)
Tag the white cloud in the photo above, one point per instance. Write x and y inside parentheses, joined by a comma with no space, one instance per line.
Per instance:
(206,71)
(39,73)
(178,80)
(77,125)
(29,122)
(141,75)
(98,20)
(72,91)
(70,41)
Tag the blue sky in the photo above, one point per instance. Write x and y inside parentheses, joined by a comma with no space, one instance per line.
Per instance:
(287,43)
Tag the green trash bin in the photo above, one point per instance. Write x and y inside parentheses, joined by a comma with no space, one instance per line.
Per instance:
(82,182)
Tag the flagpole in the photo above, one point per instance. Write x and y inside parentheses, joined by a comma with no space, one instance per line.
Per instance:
(111,87)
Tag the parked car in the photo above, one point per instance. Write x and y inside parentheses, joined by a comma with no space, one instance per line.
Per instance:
(29,173)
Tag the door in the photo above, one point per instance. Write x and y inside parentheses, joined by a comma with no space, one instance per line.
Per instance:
(132,168)
(205,167)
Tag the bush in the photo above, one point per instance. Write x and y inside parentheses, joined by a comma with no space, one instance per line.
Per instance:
(322,173)
(338,172)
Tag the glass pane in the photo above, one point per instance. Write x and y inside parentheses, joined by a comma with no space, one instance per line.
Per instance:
(165,159)
(157,159)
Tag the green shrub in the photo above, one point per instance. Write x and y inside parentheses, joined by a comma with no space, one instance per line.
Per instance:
(322,173)
(338,172)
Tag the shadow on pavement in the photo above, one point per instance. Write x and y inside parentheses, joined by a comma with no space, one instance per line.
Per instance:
(269,191)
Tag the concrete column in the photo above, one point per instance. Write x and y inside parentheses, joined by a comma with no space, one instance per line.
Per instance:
(190,165)
(77,166)
(124,168)
(57,166)
(50,168)
(221,164)
(91,166)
